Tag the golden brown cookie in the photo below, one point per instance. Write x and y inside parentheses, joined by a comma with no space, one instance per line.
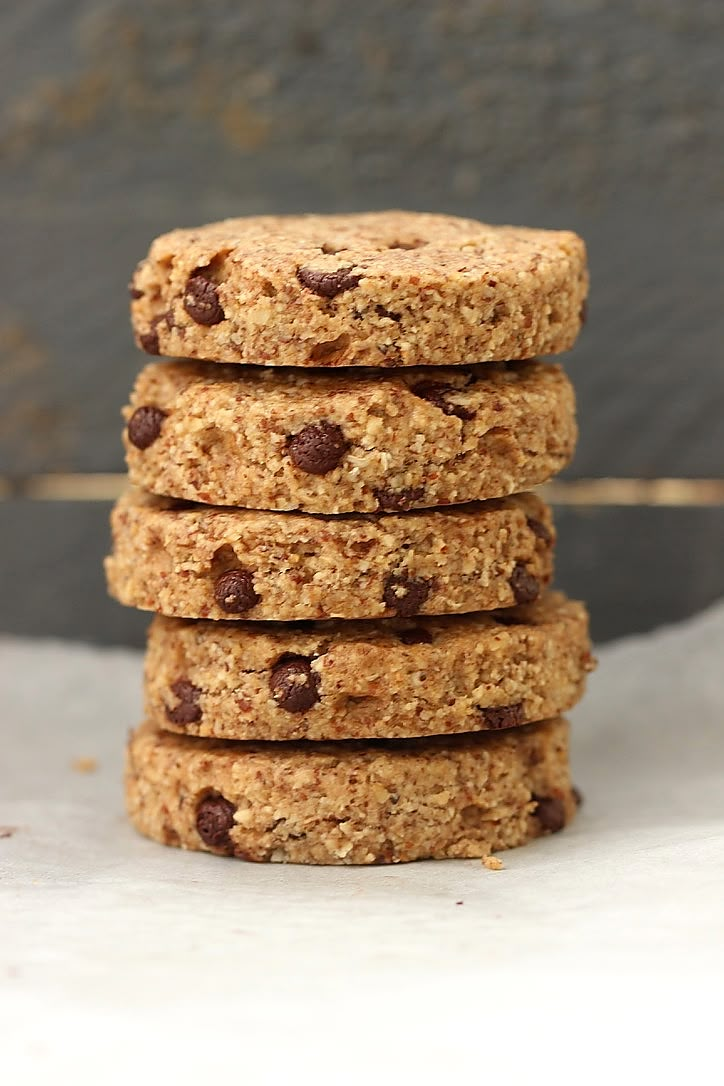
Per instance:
(347,442)
(390,288)
(390,679)
(192,561)
(351,803)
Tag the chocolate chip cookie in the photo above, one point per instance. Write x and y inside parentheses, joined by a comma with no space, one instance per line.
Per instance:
(351,802)
(344,442)
(393,678)
(192,561)
(381,289)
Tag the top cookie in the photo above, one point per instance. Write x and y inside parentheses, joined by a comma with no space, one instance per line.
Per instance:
(382,289)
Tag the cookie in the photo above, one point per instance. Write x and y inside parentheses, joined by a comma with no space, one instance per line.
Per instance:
(353,802)
(390,679)
(390,288)
(193,561)
(347,442)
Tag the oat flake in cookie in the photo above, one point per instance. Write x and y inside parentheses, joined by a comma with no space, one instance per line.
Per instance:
(382,289)
(355,802)
(347,441)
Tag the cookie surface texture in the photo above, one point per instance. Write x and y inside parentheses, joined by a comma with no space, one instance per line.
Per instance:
(286,439)
(209,562)
(354,803)
(382,289)
(394,678)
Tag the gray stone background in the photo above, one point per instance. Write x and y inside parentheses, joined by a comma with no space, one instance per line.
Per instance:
(123,119)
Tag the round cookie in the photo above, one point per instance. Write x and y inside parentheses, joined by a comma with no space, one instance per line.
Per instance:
(347,442)
(191,561)
(391,679)
(351,803)
(390,288)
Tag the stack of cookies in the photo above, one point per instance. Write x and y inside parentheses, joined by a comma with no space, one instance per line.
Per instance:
(356,657)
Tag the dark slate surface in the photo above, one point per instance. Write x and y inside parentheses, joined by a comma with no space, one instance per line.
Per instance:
(123,118)
(636,567)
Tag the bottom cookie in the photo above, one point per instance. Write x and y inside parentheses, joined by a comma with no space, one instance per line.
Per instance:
(351,802)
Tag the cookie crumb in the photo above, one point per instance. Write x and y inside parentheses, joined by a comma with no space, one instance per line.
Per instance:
(7,831)
(85,765)
(492,863)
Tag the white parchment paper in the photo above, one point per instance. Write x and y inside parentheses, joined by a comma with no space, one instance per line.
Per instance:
(124,961)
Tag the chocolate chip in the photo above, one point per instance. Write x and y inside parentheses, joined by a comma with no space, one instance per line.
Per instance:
(201,300)
(418,635)
(526,587)
(214,819)
(318,448)
(503,716)
(134,292)
(149,341)
(398,500)
(188,711)
(144,426)
(539,529)
(583,314)
(405,595)
(234,591)
(435,392)
(294,686)
(550,812)
(328,284)
(577,796)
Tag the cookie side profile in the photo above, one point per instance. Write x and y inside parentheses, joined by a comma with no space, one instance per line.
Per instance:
(208,562)
(287,439)
(351,803)
(382,289)
(393,678)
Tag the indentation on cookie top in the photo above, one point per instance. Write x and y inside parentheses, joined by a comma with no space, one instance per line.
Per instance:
(293,684)
(188,710)
(436,393)
(500,310)
(405,595)
(381,311)
(234,592)
(398,501)
(322,352)
(525,586)
(318,448)
(503,716)
(144,425)
(201,298)
(407,243)
(328,284)
(214,820)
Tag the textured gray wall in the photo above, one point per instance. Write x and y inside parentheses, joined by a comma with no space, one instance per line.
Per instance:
(122,118)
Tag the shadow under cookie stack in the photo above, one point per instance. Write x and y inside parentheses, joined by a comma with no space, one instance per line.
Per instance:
(356,657)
